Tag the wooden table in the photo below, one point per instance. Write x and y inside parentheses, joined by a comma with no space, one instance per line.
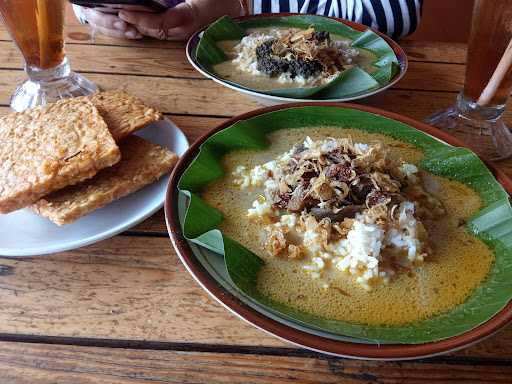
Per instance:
(126,311)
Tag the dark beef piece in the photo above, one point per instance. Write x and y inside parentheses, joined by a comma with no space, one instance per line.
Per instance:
(308,175)
(396,198)
(304,68)
(379,197)
(376,198)
(267,62)
(273,65)
(346,212)
(321,36)
(265,49)
(284,198)
(340,172)
(297,198)
(360,188)
(336,156)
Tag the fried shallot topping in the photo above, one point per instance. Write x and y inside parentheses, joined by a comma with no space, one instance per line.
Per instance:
(338,203)
(305,53)
(336,179)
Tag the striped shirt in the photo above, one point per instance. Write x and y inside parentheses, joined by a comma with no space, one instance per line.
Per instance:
(396,18)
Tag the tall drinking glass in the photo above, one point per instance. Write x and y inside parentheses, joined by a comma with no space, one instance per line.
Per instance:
(477,115)
(37,27)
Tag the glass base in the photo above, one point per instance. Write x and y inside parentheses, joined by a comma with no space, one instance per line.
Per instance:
(48,86)
(489,138)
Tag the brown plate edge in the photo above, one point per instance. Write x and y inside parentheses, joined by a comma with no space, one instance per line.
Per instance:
(304,339)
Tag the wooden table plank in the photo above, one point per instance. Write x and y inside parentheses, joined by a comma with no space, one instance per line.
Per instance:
(181,96)
(204,97)
(122,288)
(52,364)
(153,225)
(131,288)
(115,61)
(173,63)
(416,50)
(441,52)
(119,60)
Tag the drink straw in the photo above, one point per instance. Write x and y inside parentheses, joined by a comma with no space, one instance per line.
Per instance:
(497,77)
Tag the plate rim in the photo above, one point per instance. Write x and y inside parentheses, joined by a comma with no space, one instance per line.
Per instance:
(403,61)
(104,235)
(298,337)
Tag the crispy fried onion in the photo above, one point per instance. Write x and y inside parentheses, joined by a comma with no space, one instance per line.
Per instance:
(351,200)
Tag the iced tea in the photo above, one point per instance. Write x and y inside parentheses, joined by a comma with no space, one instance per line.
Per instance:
(491,32)
(37,27)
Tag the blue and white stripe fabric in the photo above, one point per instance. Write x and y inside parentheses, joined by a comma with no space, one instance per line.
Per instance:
(396,18)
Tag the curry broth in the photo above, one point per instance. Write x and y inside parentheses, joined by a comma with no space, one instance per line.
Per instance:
(459,263)
(229,71)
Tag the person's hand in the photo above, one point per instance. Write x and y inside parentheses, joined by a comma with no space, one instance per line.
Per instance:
(180,22)
(110,24)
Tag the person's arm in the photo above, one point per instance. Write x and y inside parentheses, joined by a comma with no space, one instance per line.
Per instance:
(180,22)
(182,19)
(396,18)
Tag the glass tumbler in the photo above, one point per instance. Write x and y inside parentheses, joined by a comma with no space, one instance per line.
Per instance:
(477,116)
(37,28)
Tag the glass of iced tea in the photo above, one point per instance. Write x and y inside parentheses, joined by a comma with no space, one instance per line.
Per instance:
(37,27)
(477,115)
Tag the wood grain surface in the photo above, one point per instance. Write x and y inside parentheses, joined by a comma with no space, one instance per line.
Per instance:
(416,50)
(130,289)
(126,311)
(52,364)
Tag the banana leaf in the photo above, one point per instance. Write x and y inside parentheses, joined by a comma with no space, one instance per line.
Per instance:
(350,83)
(492,224)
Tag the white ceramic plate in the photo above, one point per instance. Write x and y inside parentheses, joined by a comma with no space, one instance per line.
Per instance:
(23,233)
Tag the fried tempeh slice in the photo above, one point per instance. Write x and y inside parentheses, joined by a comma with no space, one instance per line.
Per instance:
(123,113)
(48,148)
(142,163)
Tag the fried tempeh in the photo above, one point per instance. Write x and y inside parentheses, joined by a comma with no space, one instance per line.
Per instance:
(142,163)
(47,148)
(123,113)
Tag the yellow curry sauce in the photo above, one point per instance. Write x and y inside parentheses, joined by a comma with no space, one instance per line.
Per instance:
(458,264)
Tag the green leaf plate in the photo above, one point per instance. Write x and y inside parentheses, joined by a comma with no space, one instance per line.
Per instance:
(354,83)
(486,310)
